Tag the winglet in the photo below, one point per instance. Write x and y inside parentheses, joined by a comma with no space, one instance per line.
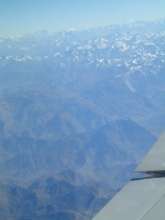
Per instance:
(155,160)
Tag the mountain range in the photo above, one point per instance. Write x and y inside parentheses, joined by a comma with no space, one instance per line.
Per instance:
(78,112)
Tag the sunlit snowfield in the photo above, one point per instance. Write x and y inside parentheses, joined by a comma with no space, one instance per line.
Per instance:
(78,111)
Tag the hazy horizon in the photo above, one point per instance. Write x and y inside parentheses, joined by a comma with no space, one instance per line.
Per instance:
(19,18)
(47,31)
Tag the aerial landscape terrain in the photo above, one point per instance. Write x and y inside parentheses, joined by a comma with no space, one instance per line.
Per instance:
(78,111)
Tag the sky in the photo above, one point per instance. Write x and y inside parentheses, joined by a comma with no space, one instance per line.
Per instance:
(19,17)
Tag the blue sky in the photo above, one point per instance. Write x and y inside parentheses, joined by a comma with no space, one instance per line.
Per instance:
(24,16)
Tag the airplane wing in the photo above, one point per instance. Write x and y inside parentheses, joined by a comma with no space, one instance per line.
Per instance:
(144,197)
